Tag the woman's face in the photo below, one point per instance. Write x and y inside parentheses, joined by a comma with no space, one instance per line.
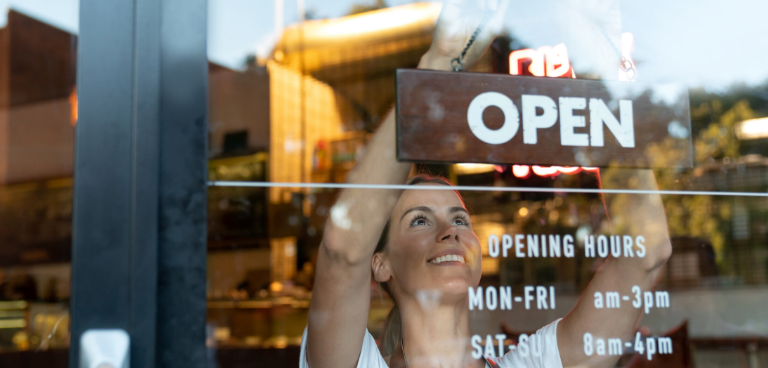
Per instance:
(432,245)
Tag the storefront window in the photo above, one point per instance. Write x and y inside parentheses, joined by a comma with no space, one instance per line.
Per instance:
(38,113)
(657,214)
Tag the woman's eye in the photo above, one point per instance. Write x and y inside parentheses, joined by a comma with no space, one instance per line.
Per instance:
(460,221)
(419,221)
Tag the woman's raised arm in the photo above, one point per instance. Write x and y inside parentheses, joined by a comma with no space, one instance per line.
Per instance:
(338,313)
(635,215)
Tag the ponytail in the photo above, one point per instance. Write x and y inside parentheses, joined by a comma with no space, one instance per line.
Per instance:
(392,332)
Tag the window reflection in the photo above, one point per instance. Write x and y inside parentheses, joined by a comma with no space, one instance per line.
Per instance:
(330,82)
(38,111)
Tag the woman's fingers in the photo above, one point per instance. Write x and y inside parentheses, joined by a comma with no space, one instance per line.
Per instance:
(476,5)
(494,21)
(451,14)
(490,24)
(458,22)
(497,19)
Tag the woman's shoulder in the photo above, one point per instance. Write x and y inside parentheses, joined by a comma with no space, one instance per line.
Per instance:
(370,357)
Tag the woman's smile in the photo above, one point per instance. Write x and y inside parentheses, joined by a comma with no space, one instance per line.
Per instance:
(448,257)
(449,260)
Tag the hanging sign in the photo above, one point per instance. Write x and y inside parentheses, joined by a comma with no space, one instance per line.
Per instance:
(501,119)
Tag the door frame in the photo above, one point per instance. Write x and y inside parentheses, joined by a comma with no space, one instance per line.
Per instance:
(140,182)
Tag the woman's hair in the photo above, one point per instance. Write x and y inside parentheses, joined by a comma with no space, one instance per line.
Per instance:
(393,324)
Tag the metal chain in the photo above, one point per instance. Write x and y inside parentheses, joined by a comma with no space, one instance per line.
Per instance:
(458,63)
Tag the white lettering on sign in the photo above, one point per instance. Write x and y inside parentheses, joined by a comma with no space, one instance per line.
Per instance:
(631,247)
(623,131)
(475,118)
(532,121)
(556,246)
(525,346)
(616,346)
(568,121)
(638,298)
(599,115)
(503,299)
(551,245)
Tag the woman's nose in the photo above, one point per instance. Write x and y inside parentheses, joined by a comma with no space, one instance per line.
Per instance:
(449,234)
(456,237)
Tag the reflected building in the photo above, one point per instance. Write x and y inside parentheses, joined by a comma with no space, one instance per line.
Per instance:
(37,119)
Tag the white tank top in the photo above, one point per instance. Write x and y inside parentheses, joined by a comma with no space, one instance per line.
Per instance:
(542,352)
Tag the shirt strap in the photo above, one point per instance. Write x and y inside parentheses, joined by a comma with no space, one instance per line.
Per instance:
(490,363)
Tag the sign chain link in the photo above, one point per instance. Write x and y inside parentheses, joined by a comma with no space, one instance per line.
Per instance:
(458,63)
(625,64)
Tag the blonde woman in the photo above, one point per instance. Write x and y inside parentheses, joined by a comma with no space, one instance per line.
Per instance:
(417,240)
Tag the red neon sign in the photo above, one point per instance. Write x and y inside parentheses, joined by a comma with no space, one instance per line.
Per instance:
(545,61)
(524,171)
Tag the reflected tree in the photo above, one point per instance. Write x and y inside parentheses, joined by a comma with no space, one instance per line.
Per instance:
(702,216)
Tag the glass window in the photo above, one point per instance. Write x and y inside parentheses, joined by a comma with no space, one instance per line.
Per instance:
(38,113)
(616,179)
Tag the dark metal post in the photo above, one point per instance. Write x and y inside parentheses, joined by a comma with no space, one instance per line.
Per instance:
(181,299)
(138,255)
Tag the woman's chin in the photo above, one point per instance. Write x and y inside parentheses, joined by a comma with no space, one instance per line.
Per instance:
(455,289)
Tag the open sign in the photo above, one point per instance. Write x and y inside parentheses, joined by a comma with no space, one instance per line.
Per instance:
(544,121)
(599,115)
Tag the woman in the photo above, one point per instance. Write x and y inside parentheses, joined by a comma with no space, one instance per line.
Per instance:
(419,245)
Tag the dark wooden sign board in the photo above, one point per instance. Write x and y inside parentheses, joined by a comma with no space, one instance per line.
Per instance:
(501,119)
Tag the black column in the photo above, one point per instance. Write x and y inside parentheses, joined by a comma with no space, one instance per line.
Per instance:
(181,300)
(139,223)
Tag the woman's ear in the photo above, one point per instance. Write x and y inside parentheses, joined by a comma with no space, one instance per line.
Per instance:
(380,268)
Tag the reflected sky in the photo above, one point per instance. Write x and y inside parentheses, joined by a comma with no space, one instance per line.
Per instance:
(706,43)
(697,43)
(62,14)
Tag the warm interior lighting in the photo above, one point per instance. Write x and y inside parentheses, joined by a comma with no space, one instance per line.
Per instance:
(73,106)
(12,323)
(16,304)
(379,20)
(276,287)
(522,212)
(468,169)
(280,343)
(752,129)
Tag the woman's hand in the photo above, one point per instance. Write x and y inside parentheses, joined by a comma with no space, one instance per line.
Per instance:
(459,19)
(632,214)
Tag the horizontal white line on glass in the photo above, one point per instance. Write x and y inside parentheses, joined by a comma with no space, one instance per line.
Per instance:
(263,184)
